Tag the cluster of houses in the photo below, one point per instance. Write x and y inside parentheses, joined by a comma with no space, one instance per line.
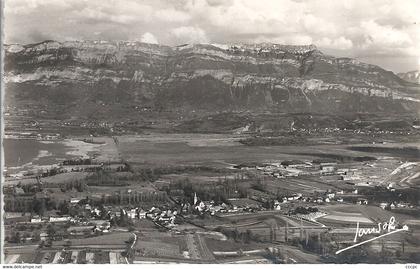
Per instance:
(165,218)
(90,227)
(234,205)
(328,197)
(394,205)
(94,223)
(38,219)
(201,206)
(294,168)
(208,206)
(243,205)
(162,217)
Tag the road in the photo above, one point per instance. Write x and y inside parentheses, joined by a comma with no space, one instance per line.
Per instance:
(192,247)
(298,256)
(206,254)
(131,247)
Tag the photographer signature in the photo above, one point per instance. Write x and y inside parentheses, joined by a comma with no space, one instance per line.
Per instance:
(387,227)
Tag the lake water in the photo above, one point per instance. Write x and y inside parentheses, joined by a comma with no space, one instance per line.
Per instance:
(27,152)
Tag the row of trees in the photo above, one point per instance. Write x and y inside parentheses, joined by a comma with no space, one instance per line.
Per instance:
(103,178)
(133,198)
(18,237)
(153,174)
(380,194)
(219,192)
(240,237)
(81,161)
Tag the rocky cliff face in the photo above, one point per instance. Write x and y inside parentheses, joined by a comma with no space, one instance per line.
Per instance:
(115,79)
(412,76)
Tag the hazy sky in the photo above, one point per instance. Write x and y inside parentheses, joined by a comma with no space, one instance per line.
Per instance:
(383,32)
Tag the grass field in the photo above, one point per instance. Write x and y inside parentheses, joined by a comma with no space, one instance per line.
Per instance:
(346,218)
(59,178)
(231,245)
(114,239)
(217,150)
(172,149)
(350,214)
(157,248)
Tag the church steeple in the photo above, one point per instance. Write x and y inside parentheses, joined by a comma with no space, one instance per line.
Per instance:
(195,198)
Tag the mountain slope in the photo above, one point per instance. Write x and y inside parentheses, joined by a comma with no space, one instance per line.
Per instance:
(412,76)
(119,80)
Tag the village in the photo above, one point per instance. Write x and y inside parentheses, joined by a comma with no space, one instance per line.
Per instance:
(274,202)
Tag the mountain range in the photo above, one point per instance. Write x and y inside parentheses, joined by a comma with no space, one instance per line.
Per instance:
(412,76)
(117,81)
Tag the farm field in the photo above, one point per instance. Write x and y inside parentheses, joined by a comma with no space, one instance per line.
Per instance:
(114,240)
(172,149)
(255,226)
(223,151)
(68,256)
(159,244)
(336,217)
(59,178)
(219,151)
(196,148)
(346,214)
(230,245)
(196,177)
(307,185)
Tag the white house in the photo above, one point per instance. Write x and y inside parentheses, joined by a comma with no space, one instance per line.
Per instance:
(74,200)
(383,205)
(330,195)
(201,206)
(327,169)
(277,205)
(132,213)
(142,214)
(60,219)
(36,220)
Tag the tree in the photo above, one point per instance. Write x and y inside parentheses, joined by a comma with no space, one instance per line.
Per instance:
(68,244)
(39,206)
(130,240)
(86,233)
(26,235)
(354,255)
(48,243)
(386,256)
(36,237)
(271,235)
(123,220)
(80,186)
(16,238)
(63,207)
(51,204)
(247,236)
(51,231)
